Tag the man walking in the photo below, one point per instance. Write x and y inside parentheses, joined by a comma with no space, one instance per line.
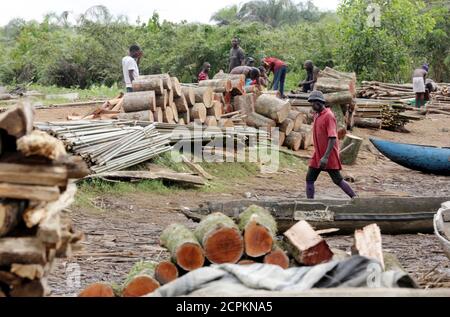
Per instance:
(419,79)
(130,66)
(326,148)
(237,55)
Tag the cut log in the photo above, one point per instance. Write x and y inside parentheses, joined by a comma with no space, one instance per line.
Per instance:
(162,100)
(218,85)
(339,98)
(281,138)
(33,174)
(186,117)
(139,101)
(245,103)
(225,123)
(42,193)
(298,118)
(198,112)
(293,141)
(189,95)
(368,123)
(138,116)
(306,132)
(204,95)
(98,290)
(183,247)
(181,104)
(10,215)
(176,87)
(350,149)
(158,115)
(259,121)
(238,86)
(21,251)
(331,85)
(168,115)
(165,78)
(220,238)
(259,228)
(216,110)
(140,281)
(28,271)
(273,107)
(211,121)
(176,116)
(148,84)
(287,126)
(368,243)
(311,248)
(18,121)
(166,272)
(277,257)
(39,143)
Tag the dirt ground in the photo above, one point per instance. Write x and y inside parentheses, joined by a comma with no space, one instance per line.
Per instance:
(126,228)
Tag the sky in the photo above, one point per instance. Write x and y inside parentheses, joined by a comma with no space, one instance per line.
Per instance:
(172,10)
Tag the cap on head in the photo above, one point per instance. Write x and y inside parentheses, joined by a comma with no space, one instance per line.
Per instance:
(316,96)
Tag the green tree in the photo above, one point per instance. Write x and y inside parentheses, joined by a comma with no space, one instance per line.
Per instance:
(226,16)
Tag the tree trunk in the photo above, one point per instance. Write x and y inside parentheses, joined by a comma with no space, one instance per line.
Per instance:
(293,141)
(148,84)
(10,216)
(158,115)
(245,103)
(218,85)
(98,290)
(183,247)
(225,123)
(166,272)
(176,87)
(277,257)
(168,115)
(140,281)
(259,121)
(216,110)
(368,123)
(368,243)
(198,112)
(339,98)
(211,121)
(306,132)
(311,249)
(162,100)
(139,101)
(287,126)
(138,116)
(259,229)
(166,79)
(189,95)
(273,107)
(298,119)
(350,149)
(220,238)
(204,95)
(181,104)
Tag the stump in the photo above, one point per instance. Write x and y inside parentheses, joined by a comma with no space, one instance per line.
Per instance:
(183,246)
(139,101)
(350,149)
(148,84)
(220,238)
(273,107)
(259,229)
(198,112)
(293,141)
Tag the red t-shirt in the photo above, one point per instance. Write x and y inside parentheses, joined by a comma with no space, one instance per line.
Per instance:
(203,76)
(274,63)
(325,127)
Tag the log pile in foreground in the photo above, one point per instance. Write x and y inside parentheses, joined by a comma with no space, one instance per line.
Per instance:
(35,187)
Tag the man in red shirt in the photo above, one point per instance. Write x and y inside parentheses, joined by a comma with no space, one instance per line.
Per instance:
(204,74)
(279,69)
(326,148)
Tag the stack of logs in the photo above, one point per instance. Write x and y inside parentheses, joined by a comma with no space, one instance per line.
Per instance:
(35,188)
(374,114)
(440,100)
(385,91)
(218,239)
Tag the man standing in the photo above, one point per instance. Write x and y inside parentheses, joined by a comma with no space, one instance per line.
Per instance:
(204,74)
(237,55)
(326,148)
(279,68)
(419,78)
(311,78)
(130,66)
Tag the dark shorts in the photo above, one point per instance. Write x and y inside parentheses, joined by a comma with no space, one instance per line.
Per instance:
(129,89)
(313,174)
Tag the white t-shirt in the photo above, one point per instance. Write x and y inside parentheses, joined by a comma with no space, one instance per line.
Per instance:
(129,63)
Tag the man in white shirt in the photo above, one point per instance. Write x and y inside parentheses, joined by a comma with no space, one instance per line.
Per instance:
(130,66)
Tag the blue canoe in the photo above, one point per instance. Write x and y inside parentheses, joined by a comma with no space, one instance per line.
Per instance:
(427,159)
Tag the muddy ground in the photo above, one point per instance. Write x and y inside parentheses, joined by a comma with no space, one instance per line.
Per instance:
(125,228)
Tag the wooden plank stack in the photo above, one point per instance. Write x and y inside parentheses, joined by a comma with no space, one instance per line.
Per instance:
(35,187)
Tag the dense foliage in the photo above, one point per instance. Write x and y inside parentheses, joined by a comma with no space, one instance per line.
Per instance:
(61,51)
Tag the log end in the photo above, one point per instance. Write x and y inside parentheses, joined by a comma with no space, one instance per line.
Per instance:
(97,290)
(190,257)
(139,286)
(258,240)
(224,245)
(277,257)
(318,254)
(166,272)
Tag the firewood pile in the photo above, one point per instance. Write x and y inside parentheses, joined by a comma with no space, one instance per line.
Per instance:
(218,239)
(385,91)
(35,187)
(440,100)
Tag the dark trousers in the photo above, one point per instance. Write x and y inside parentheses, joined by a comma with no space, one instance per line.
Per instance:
(313,174)
(279,79)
